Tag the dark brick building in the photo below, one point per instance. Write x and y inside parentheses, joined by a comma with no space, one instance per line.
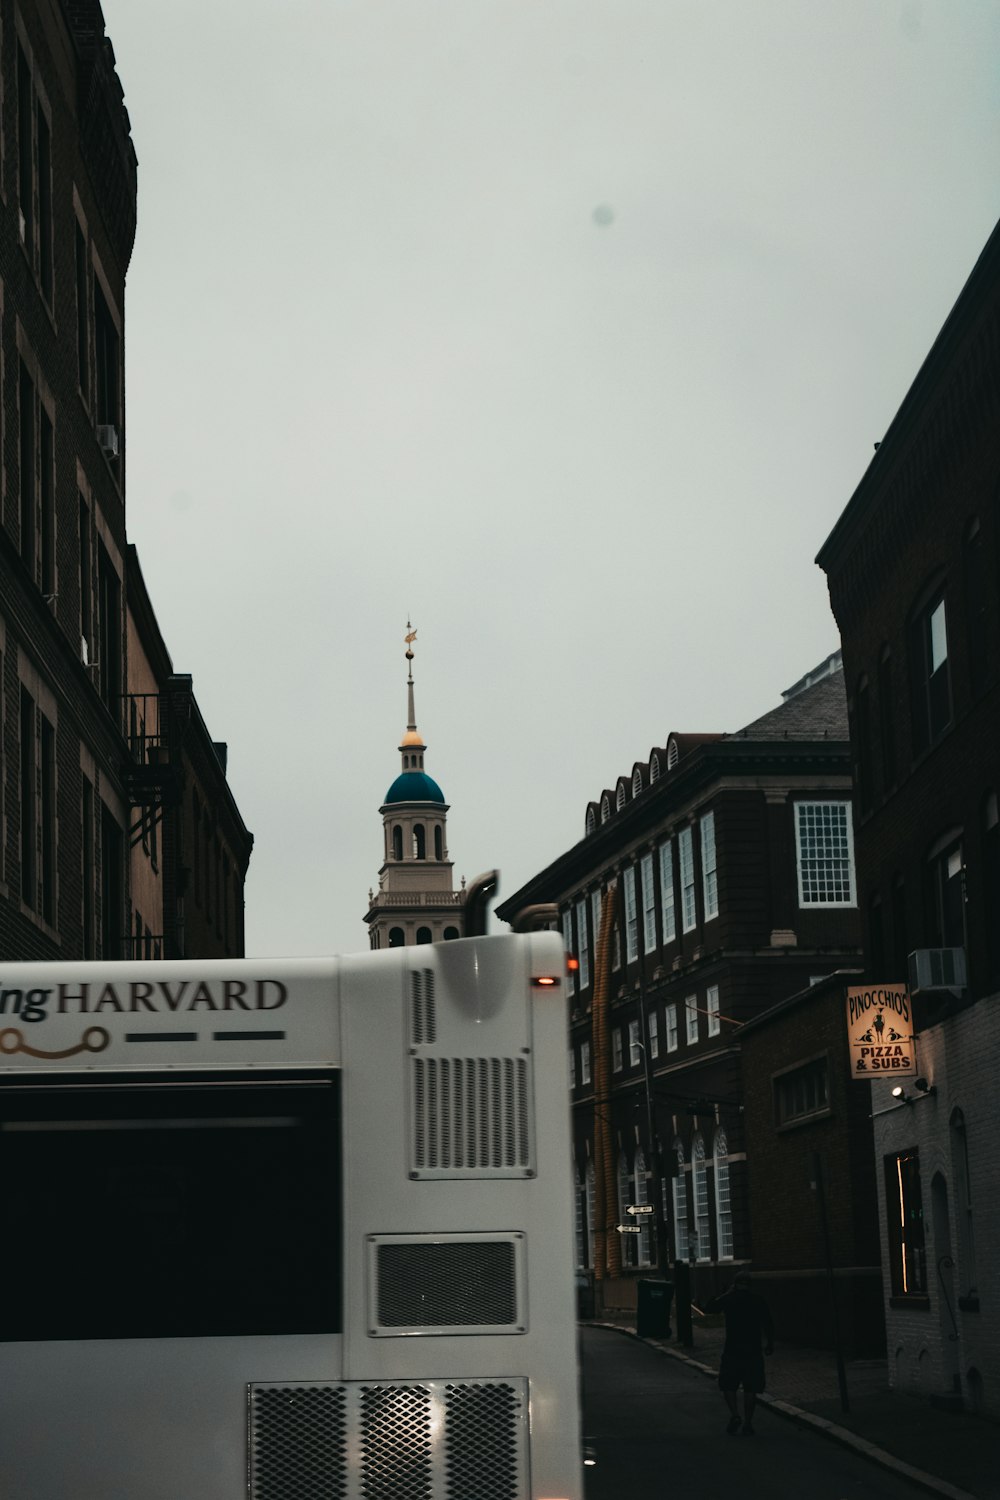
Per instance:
(914,572)
(729,863)
(80,790)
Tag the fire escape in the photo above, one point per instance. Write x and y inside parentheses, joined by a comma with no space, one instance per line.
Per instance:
(152,772)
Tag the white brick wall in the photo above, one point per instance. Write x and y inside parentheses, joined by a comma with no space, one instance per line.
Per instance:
(927,1348)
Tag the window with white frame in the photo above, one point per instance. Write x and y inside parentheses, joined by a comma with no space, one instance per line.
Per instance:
(654,768)
(624,1199)
(648,905)
(572,1067)
(631,917)
(584,1062)
(579,1198)
(723,1203)
(824,842)
(685,853)
(709,876)
(712,1009)
(596,900)
(641,1195)
(670,1017)
(616,1049)
(620,795)
(636,781)
(699,1191)
(653,1030)
(591,1183)
(668,917)
(590,823)
(691,1018)
(582,944)
(605,808)
(634,1049)
(679,1185)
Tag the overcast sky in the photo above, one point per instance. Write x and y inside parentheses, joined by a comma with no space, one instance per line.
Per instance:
(564,328)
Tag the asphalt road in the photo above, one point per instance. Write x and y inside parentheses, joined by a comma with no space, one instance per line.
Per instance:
(658,1429)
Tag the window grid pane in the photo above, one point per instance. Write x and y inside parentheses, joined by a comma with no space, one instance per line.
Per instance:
(826,854)
(681,1248)
(583,949)
(723,1204)
(653,1029)
(631,917)
(699,1183)
(691,1017)
(709,877)
(686,855)
(712,1006)
(648,905)
(667,913)
(670,1013)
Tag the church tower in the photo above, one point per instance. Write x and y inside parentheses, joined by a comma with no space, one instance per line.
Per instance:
(415,901)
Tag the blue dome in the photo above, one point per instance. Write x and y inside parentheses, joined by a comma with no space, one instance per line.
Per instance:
(414,786)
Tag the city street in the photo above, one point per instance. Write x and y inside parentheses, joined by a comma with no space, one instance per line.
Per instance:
(658,1426)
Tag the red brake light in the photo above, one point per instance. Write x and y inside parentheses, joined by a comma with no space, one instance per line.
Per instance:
(545,981)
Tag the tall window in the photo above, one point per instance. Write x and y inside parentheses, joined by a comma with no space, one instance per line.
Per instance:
(685,851)
(438,842)
(596,907)
(712,1007)
(653,1031)
(670,1016)
(579,1199)
(591,1180)
(680,1205)
(631,917)
(572,1067)
(929,673)
(624,1199)
(699,1190)
(825,848)
(723,1204)
(567,928)
(667,914)
(648,905)
(584,1062)
(709,876)
(616,1050)
(905,1210)
(691,1018)
(582,945)
(641,1195)
(419,841)
(945,894)
(397,841)
(634,1047)
(887,718)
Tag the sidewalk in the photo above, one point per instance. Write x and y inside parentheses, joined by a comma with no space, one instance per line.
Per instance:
(953,1454)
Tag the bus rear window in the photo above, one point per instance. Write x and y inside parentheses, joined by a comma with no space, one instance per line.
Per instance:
(167,1211)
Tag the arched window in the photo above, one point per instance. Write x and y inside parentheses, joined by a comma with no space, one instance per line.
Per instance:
(673,754)
(620,797)
(723,1206)
(641,1195)
(654,768)
(397,842)
(450,934)
(681,1248)
(605,808)
(397,937)
(419,842)
(591,822)
(624,1199)
(438,842)
(424,935)
(699,1193)
(636,781)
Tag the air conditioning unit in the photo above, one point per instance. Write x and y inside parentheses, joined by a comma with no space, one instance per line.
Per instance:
(937,970)
(107,436)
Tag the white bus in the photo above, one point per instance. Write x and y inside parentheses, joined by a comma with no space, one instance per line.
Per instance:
(289,1230)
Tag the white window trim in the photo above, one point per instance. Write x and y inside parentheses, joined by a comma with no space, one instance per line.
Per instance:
(584,1062)
(845,807)
(653,1032)
(689,903)
(691,1035)
(648,904)
(583,946)
(631,917)
(712,1008)
(634,1048)
(668,912)
(672,1027)
(709,871)
(616,1050)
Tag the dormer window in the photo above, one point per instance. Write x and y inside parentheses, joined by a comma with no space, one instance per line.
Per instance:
(620,797)
(605,808)
(636,781)
(654,768)
(673,753)
(591,822)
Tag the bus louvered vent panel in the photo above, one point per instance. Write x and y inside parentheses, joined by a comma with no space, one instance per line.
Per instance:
(419,1440)
(481,1447)
(298,1443)
(471,1116)
(454,1284)
(423,1013)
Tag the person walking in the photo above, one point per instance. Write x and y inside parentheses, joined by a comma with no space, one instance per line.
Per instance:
(748,1326)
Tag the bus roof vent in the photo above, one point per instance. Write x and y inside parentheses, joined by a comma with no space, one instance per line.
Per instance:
(471,1117)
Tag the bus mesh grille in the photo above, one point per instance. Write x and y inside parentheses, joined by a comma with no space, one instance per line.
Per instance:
(470,1114)
(298,1443)
(450,1284)
(357,1440)
(481,1443)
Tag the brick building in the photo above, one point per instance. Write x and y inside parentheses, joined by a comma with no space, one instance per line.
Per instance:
(727,861)
(812,1200)
(79,663)
(912,566)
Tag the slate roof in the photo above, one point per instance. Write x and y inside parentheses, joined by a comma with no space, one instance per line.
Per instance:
(818,712)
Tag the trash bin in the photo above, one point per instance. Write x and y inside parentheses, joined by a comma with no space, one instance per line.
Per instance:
(652,1316)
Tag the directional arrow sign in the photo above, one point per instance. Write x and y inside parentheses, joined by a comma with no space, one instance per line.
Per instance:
(639,1208)
(628,1229)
